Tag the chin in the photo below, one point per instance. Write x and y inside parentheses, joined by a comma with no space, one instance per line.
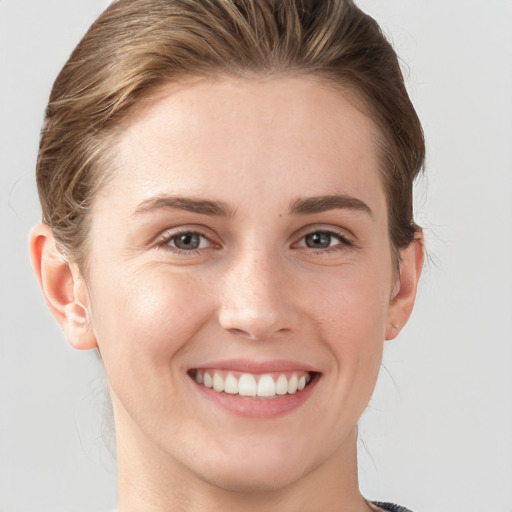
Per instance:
(259,479)
(260,470)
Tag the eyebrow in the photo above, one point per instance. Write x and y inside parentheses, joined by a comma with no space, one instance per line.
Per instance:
(311,205)
(303,206)
(188,204)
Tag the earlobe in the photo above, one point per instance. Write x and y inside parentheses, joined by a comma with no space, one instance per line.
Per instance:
(63,288)
(402,302)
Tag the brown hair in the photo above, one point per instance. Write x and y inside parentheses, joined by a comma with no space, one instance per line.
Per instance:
(135,45)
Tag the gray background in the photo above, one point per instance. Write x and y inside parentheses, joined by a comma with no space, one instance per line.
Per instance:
(437,435)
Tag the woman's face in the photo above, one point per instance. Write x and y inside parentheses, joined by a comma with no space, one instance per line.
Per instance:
(242,242)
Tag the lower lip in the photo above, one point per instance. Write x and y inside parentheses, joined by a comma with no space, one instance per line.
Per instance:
(260,408)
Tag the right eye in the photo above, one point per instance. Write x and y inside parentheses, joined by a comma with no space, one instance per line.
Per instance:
(185,241)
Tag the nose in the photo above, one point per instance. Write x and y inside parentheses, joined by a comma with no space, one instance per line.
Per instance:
(255,299)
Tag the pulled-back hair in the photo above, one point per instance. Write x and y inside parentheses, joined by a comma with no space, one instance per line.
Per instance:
(136,45)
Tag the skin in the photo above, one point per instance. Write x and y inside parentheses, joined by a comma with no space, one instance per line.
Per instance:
(253,289)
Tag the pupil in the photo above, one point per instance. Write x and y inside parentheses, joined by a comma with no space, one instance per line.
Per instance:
(318,240)
(187,241)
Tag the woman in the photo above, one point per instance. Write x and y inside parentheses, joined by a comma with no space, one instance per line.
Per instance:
(227,203)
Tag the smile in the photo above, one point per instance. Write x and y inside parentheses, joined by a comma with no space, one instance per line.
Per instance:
(266,385)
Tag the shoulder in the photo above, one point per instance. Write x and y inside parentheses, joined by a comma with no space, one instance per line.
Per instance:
(390,507)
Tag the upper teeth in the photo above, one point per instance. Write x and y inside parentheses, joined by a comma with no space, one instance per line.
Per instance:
(247,384)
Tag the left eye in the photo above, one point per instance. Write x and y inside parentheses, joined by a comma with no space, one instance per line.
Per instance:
(322,240)
(188,241)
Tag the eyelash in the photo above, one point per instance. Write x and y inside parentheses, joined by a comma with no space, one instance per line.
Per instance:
(165,243)
(343,242)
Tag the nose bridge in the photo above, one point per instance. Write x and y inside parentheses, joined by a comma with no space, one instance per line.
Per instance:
(254,297)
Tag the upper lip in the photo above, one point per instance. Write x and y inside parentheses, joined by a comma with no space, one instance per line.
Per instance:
(257,367)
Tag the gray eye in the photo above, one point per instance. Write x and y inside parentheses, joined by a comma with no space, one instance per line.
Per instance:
(187,241)
(318,240)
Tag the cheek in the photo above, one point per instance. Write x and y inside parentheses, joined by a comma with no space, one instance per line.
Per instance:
(355,300)
(355,336)
(146,316)
(351,313)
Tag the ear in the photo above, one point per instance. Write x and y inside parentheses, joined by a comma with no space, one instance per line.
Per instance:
(63,288)
(402,302)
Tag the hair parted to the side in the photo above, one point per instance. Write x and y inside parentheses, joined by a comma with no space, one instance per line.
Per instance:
(136,45)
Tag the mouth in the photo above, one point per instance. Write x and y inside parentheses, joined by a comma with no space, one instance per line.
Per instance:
(250,385)
(255,390)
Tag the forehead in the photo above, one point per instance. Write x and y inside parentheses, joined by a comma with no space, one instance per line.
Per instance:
(236,136)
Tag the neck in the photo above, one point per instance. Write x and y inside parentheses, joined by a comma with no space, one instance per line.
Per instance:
(152,481)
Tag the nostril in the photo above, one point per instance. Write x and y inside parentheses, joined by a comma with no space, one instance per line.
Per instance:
(258,334)
(240,332)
